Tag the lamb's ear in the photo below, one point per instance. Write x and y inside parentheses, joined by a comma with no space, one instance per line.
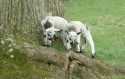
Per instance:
(60,30)
(47,30)
(67,32)
(78,33)
(56,29)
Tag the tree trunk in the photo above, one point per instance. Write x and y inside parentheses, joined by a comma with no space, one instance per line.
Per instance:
(72,63)
(25,15)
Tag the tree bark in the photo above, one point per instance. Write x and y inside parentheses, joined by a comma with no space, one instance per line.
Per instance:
(71,62)
(25,15)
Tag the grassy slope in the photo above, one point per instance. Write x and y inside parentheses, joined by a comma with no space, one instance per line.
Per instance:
(106,20)
(21,67)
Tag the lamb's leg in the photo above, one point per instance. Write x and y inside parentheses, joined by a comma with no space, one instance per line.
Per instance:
(78,44)
(64,41)
(68,45)
(63,38)
(91,43)
(84,43)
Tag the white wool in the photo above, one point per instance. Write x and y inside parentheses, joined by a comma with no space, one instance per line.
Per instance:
(58,23)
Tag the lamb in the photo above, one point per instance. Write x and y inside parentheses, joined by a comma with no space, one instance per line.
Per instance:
(76,31)
(51,25)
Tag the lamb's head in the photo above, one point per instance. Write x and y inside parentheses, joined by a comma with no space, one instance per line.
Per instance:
(71,37)
(49,35)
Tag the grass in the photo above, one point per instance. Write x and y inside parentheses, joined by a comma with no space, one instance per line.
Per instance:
(59,45)
(19,66)
(106,21)
(13,66)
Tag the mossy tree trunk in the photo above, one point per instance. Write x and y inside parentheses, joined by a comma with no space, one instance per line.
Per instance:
(25,15)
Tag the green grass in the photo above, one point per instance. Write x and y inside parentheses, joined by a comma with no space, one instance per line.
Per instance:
(9,67)
(106,20)
(21,67)
(59,45)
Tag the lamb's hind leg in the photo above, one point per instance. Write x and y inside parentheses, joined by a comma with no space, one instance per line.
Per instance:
(91,43)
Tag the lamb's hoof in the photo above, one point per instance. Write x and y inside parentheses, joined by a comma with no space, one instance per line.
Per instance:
(81,51)
(71,43)
(46,45)
(93,56)
(78,51)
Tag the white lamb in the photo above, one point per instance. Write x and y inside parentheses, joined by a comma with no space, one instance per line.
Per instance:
(52,24)
(76,30)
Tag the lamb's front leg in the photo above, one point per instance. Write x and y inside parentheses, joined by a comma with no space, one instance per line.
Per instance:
(78,44)
(84,43)
(68,45)
(63,37)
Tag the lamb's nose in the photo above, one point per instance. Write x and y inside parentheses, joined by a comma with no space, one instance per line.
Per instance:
(49,38)
(71,42)
(44,36)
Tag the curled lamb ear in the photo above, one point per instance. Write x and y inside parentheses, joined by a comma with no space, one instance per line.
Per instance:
(56,29)
(47,29)
(60,30)
(78,33)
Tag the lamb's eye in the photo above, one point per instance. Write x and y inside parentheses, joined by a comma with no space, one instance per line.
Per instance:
(70,39)
(48,34)
(44,35)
